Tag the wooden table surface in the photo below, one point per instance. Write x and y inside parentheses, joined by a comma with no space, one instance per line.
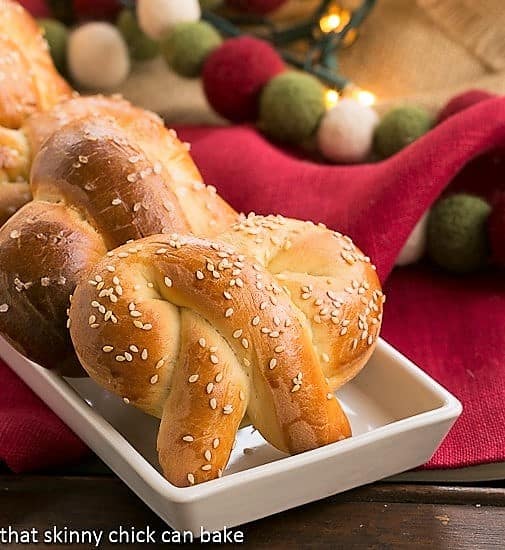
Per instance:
(383,515)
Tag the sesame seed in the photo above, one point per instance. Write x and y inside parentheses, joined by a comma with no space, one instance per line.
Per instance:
(263,305)
(213,403)
(161,251)
(14,234)
(219,377)
(202,342)
(272,364)
(215,443)
(199,275)
(144,354)
(354,344)
(325,357)
(329,396)
(126,400)
(219,473)
(207,455)
(295,388)
(120,358)
(345,322)
(168,282)
(135,313)
(191,479)
(193,378)
(138,323)
(116,202)
(245,343)
(154,379)
(128,356)
(255,321)
(241,395)
(237,333)
(206,467)
(209,388)
(188,438)
(214,359)
(107,349)
(92,319)
(228,409)
(227,295)
(147,326)
(110,268)
(343,331)
(279,349)
(228,312)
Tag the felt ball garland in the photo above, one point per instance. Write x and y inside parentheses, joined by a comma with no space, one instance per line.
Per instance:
(246,80)
(235,73)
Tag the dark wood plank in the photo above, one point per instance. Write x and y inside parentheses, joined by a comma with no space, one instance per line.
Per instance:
(376,516)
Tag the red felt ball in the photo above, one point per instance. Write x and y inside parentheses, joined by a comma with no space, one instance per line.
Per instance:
(234,74)
(38,8)
(260,7)
(496,230)
(96,9)
(461,102)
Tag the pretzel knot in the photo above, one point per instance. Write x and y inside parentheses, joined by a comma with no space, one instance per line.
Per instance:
(198,333)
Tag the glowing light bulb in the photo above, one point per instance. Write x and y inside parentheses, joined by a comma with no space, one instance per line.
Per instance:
(330,22)
(365,97)
(331,98)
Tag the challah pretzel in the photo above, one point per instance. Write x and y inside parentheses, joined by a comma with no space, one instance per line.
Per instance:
(199,333)
(97,182)
(28,83)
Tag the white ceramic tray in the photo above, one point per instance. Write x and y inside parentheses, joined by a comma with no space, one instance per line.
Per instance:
(399,416)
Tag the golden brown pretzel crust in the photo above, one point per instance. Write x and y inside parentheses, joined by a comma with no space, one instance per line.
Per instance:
(29,81)
(94,188)
(329,279)
(178,326)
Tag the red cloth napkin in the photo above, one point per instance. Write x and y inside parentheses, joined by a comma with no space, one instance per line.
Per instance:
(453,327)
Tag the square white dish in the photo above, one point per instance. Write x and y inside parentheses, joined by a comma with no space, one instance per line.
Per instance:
(399,416)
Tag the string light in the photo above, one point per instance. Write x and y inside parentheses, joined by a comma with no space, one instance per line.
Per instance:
(331,98)
(335,20)
(362,96)
(330,22)
(365,97)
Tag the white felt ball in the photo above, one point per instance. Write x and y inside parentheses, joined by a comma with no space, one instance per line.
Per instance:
(98,56)
(413,250)
(346,131)
(157,17)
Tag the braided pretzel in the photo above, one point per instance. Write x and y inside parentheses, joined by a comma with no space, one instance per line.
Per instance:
(28,83)
(97,183)
(199,334)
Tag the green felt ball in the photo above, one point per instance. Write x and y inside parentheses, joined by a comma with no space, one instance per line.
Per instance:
(400,127)
(56,35)
(188,45)
(291,105)
(457,236)
(140,46)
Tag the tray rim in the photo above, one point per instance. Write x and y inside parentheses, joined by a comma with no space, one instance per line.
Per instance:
(450,409)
